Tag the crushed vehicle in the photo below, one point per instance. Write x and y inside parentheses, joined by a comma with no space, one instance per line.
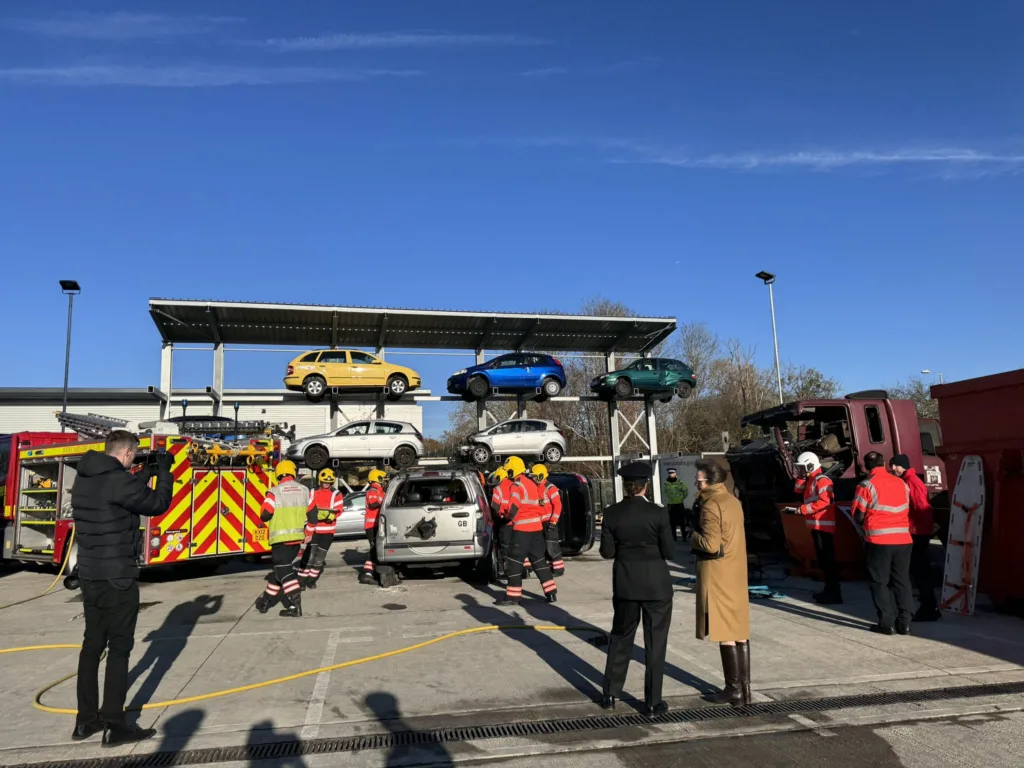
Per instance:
(841,432)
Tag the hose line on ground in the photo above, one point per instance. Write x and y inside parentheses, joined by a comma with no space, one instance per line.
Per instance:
(38,704)
(63,565)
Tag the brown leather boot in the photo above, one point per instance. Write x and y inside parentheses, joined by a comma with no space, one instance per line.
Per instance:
(733,691)
(745,670)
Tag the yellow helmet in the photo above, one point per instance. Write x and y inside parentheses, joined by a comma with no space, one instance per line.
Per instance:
(499,474)
(515,466)
(377,476)
(286,469)
(539,470)
(326,476)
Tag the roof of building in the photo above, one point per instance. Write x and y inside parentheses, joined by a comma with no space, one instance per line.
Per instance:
(306,325)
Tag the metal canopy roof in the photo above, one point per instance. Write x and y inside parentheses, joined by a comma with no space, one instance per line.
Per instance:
(303,325)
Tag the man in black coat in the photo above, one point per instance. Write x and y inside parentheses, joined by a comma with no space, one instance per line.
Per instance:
(106,503)
(638,535)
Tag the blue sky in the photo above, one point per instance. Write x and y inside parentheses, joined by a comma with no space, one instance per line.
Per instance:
(515,157)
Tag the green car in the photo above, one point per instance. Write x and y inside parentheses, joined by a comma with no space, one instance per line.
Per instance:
(648,375)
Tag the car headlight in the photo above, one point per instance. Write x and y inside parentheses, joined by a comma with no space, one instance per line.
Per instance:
(459,372)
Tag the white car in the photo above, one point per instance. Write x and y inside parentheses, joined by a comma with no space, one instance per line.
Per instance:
(350,521)
(376,439)
(526,438)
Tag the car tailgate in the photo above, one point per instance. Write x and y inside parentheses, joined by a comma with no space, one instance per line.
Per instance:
(430,528)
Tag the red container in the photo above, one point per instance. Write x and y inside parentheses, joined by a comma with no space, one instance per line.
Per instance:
(985,417)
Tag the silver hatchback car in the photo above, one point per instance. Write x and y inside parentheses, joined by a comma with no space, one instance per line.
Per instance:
(438,518)
(526,438)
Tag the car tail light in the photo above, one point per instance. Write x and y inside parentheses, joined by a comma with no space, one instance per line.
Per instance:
(289,370)
(582,479)
(693,376)
(557,362)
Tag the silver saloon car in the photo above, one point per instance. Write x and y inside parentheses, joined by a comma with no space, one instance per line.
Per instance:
(526,438)
(375,439)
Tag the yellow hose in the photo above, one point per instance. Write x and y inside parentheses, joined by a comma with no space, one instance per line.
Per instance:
(63,565)
(38,704)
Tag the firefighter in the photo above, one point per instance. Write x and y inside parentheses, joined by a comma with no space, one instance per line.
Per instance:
(500,495)
(374,501)
(674,492)
(819,512)
(284,513)
(324,508)
(881,506)
(553,509)
(526,511)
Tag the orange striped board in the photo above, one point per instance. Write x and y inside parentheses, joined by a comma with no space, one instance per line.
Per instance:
(205,511)
(256,538)
(168,538)
(231,533)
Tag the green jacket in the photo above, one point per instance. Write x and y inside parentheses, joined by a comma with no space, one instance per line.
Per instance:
(291,501)
(674,493)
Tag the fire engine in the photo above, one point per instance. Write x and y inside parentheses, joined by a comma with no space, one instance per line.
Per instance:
(219,486)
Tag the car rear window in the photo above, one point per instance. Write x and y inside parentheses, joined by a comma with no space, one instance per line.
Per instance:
(432,491)
(310,358)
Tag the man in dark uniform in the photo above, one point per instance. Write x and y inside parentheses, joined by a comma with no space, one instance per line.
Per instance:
(638,535)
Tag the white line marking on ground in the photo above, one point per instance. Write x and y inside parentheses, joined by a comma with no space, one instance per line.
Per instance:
(806,721)
(315,710)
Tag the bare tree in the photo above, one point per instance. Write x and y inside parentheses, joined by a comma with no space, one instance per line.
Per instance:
(917,390)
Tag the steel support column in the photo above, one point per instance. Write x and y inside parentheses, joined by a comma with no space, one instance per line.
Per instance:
(166,366)
(613,432)
(217,392)
(481,405)
(652,446)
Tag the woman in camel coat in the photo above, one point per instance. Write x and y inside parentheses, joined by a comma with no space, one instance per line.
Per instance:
(723,606)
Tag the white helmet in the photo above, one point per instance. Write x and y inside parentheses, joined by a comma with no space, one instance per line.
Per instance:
(808,461)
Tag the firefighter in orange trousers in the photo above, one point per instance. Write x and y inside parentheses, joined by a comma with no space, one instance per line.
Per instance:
(374,502)
(527,512)
(321,517)
(284,514)
(881,506)
(553,508)
(819,513)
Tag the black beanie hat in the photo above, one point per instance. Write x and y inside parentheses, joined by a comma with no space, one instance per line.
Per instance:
(900,460)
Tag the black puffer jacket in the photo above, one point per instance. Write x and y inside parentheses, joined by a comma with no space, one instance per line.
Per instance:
(106,503)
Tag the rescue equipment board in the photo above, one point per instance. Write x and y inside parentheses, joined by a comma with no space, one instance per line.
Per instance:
(963,548)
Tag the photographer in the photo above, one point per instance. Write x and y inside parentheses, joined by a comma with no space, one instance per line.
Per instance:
(107,501)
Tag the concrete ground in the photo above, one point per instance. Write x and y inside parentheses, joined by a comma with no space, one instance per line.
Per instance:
(198,635)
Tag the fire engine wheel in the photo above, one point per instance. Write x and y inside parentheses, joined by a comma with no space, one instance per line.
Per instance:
(397,386)
(623,387)
(316,457)
(478,387)
(481,454)
(550,387)
(552,454)
(315,387)
(405,457)
(683,390)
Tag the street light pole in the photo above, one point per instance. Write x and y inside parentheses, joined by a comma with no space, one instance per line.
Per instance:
(769,279)
(928,372)
(69,288)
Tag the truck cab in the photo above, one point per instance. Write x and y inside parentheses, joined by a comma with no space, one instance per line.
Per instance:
(841,432)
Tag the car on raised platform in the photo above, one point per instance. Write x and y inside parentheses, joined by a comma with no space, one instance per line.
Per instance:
(373,440)
(648,376)
(318,371)
(532,372)
(526,438)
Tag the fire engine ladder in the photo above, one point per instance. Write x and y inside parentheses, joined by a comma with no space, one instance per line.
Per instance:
(91,426)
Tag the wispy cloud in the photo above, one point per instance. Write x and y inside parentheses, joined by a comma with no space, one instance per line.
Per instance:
(545,72)
(352,41)
(119,26)
(188,76)
(627,65)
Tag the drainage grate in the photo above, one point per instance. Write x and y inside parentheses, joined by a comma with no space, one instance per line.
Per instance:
(296,747)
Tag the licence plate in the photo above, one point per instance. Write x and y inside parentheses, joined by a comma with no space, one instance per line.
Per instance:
(260,534)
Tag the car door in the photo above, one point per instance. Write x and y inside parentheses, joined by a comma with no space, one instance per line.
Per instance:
(504,372)
(382,437)
(502,438)
(367,370)
(352,439)
(533,437)
(645,374)
(334,366)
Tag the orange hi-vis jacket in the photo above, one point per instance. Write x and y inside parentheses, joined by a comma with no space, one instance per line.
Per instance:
(527,506)
(324,508)
(882,500)
(819,508)
(553,508)
(374,501)
(501,496)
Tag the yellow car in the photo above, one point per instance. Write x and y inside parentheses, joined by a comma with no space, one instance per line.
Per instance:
(313,372)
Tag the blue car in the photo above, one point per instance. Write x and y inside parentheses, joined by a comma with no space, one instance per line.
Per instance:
(515,372)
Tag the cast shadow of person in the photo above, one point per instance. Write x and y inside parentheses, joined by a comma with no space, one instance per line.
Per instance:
(263,734)
(177,731)
(167,643)
(385,708)
(584,677)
